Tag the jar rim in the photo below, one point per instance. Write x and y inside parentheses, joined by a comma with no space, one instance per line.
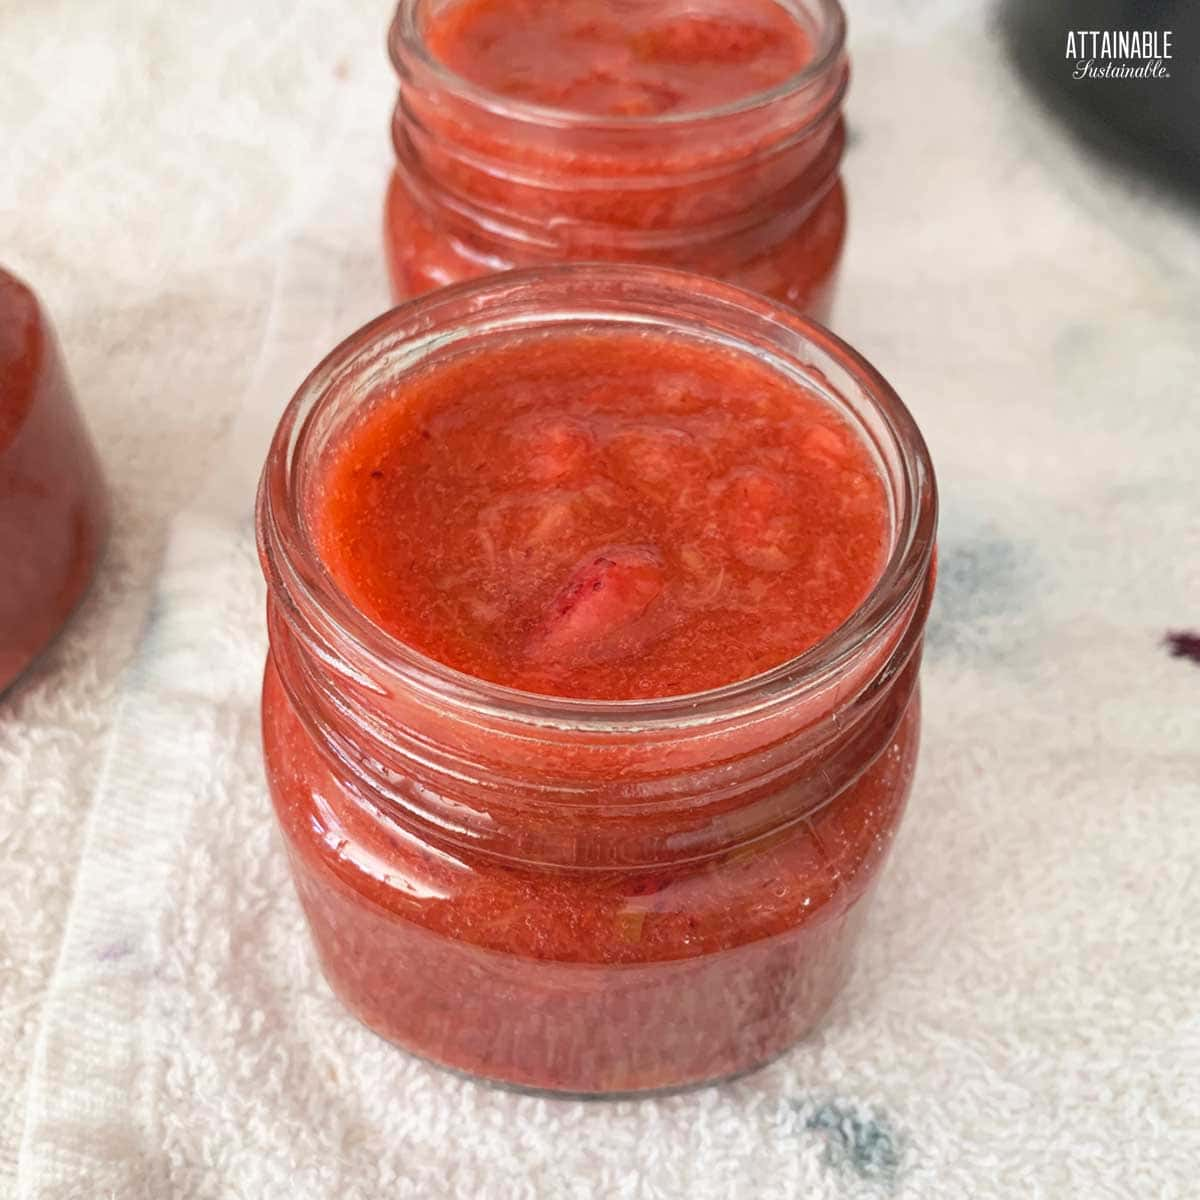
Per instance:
(307,592)
(406,38)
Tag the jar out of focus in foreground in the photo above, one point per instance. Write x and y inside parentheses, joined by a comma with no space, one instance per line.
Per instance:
(53,504)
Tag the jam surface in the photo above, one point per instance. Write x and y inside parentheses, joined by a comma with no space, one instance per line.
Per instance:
(612,516)
(624,58)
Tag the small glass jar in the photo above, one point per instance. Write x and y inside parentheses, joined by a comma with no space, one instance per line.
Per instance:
(581,896)
(749,192)
(53,504)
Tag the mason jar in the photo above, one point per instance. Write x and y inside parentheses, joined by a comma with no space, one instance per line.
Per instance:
(577,895)
(748,191)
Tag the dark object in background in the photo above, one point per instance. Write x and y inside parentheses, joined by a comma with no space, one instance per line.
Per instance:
(1150,124)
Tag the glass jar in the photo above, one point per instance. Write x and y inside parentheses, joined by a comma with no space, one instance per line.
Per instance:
(53,505)
(748,192)
(583,896)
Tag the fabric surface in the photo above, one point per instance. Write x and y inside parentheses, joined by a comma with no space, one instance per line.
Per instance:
(194,190)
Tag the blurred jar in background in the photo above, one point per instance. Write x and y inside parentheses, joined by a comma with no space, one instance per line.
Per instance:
(53,505)
(705,138)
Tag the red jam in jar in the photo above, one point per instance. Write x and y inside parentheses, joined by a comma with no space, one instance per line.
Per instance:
(53,505)
(596,598)
(705,136)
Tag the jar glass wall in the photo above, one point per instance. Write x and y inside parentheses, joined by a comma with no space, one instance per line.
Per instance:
(575,895)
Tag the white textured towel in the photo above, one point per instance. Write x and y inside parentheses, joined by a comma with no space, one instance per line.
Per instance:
(196,196)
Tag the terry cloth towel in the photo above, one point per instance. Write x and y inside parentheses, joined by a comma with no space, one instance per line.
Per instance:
(196,195)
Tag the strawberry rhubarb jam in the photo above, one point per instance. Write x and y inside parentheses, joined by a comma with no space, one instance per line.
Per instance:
(698,135)
(614,515)
(596,603)
(53,505)
(621,58)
